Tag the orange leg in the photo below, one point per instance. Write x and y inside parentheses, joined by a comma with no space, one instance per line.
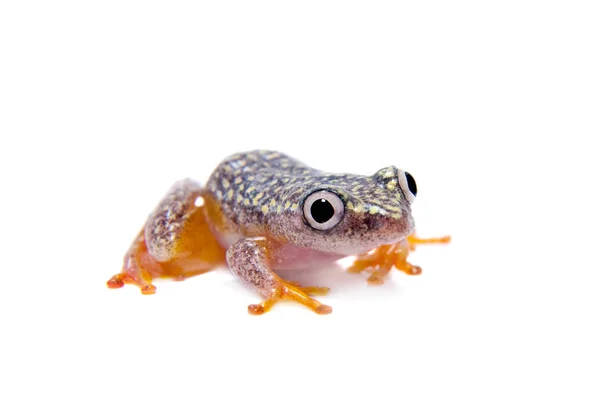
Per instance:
(414,241)
(384,257)
(175,242)
(311,290)
(138,268)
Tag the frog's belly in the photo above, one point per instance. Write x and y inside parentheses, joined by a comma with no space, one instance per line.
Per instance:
(292,257)
(288,256)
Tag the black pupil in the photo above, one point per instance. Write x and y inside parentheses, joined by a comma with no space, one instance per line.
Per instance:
(321,211)
(412,185)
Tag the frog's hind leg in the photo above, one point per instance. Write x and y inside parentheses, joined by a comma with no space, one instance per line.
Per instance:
(138,268)
(175,242)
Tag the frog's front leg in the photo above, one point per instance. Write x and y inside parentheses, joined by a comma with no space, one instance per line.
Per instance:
(250,260)
(383,258)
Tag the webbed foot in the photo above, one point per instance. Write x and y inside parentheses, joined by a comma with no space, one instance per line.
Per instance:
(383,258)
(288,291)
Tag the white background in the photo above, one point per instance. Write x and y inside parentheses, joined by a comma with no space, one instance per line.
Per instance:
(493,106)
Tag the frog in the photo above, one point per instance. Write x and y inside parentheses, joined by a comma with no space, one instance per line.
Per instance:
(263,211)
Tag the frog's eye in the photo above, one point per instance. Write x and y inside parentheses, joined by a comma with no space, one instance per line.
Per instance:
(323,210)
(408,185)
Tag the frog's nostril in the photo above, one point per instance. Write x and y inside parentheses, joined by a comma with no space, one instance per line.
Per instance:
(373,222)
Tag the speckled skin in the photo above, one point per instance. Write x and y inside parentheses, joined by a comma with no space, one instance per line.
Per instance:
(261,193)
(249,261)
(166,221)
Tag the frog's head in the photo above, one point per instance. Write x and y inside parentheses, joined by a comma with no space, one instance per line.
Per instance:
(351,214)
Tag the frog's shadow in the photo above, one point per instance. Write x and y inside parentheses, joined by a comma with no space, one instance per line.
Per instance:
(342,284)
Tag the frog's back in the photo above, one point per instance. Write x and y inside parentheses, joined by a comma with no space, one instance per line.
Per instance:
(265,162)
(251,185)
(258,170)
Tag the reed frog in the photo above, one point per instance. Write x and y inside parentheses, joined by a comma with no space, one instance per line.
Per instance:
(262,211)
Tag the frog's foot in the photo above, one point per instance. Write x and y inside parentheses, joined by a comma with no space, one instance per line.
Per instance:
(119,280)
(287,291)
(310,290)
(414,241)
(382,259)
(137,267)
(249,260)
